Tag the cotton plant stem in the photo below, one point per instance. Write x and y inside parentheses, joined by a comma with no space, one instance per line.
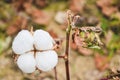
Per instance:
(68,30)
(67,56)
(55,71)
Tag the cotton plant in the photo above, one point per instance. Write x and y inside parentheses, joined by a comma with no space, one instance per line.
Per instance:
(35,50)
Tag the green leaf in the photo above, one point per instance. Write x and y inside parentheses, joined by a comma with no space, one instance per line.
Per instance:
(95,47)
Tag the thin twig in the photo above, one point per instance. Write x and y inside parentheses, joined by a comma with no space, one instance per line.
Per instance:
(68,30)
(55,71)
(113,75)
(67,55)
(61,57)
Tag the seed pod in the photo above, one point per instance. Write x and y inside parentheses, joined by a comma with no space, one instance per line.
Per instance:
(46,60)
(23,42)
(26,62)
(42,40)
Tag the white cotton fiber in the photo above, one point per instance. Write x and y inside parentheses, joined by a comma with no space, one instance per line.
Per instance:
(46,60)
(26,62)
(23,42)
(42,40)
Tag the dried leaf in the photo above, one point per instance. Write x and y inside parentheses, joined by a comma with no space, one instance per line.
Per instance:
(92,20)
(77,5)
(20,23)
(53,34)
(58,44)
(11,30)
(18,4)
(107,8)
(101,62)
(38,16)
(103,3)
(78,43)
(73,46)
(41,3)
(28,8)
(108,11)
(85,51)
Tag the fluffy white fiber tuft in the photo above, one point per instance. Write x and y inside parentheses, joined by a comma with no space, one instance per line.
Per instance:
(42,40)
(26,62)
(46,60)
(23,42)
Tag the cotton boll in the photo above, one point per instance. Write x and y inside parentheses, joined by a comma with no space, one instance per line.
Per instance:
(46,60)
(42,40)
(23,42)
(26,62)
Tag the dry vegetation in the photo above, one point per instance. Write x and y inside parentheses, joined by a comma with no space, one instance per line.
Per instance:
(85,63)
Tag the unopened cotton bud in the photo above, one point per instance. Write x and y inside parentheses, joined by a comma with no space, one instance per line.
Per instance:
(23,42)
(46,60)
(42,40)
(26,62)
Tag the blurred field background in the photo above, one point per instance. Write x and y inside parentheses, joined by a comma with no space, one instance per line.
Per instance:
(85,64)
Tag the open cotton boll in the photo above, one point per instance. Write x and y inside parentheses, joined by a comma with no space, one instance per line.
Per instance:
(23,42)
(46,60)
(26,62)
(42,40)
